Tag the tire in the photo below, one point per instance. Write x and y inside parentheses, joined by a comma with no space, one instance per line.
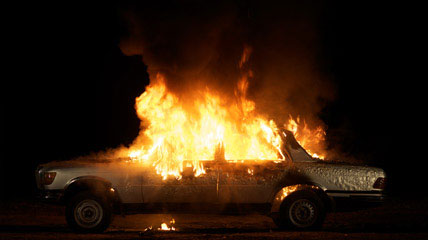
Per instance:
(88,213)
(302,210)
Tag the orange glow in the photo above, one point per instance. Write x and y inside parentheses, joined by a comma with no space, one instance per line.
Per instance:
(214,131)
(310,139)
(164,226)
(210,126)
(290,189)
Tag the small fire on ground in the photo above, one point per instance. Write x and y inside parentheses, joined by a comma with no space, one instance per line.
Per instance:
(163,227)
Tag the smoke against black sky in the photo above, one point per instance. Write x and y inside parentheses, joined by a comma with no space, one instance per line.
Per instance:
(199,44)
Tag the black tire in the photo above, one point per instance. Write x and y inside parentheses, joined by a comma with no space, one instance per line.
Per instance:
(302,210)
(88,213)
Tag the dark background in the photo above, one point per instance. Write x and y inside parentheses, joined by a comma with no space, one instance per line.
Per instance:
(68,90)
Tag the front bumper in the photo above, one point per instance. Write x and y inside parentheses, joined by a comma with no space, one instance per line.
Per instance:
(350,201)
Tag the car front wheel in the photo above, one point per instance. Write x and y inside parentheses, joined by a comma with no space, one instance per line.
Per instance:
(87,212)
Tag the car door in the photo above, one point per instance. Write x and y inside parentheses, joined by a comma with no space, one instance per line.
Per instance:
(247,182)
(188,189)
(127,179)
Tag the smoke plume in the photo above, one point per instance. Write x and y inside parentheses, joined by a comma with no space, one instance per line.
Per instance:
(198,44)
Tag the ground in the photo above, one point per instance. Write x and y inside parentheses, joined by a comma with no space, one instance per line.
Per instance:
(396,219)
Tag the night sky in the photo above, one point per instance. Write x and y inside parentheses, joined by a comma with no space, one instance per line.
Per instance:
(72,90)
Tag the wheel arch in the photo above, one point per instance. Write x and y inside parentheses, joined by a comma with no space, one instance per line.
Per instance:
(96,185)
(288,190)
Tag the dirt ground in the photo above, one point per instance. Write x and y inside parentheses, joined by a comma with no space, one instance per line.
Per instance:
(396,219)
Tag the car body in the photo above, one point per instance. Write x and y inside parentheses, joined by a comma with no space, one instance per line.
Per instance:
(300,185)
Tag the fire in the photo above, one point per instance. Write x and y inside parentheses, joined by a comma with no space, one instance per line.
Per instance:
(287,191)
(310,139)
(164,226)
(211,130)
(290,189)
(177,133)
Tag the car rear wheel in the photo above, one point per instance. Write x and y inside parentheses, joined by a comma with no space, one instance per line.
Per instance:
(302,210)
(86,212)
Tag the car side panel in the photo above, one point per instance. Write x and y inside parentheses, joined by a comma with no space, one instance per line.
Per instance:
(188,189)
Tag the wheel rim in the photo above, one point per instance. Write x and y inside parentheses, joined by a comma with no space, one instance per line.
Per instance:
(303,213)
(88,213)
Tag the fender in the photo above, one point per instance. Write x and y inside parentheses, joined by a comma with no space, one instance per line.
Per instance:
(286,191)
(94,183)
(85,178)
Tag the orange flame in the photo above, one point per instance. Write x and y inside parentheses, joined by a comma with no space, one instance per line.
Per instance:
(164,226)
(176,135)
(310,139)
(211,127)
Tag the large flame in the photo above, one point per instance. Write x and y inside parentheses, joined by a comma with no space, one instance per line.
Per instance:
(215,130)
(177,133)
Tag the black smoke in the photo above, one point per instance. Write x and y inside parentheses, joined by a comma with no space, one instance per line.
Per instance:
(199,44)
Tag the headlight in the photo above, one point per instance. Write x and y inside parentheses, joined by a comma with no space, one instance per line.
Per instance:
(380,183)
(48,178)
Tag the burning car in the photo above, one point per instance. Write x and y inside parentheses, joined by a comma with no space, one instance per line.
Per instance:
(296,191)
